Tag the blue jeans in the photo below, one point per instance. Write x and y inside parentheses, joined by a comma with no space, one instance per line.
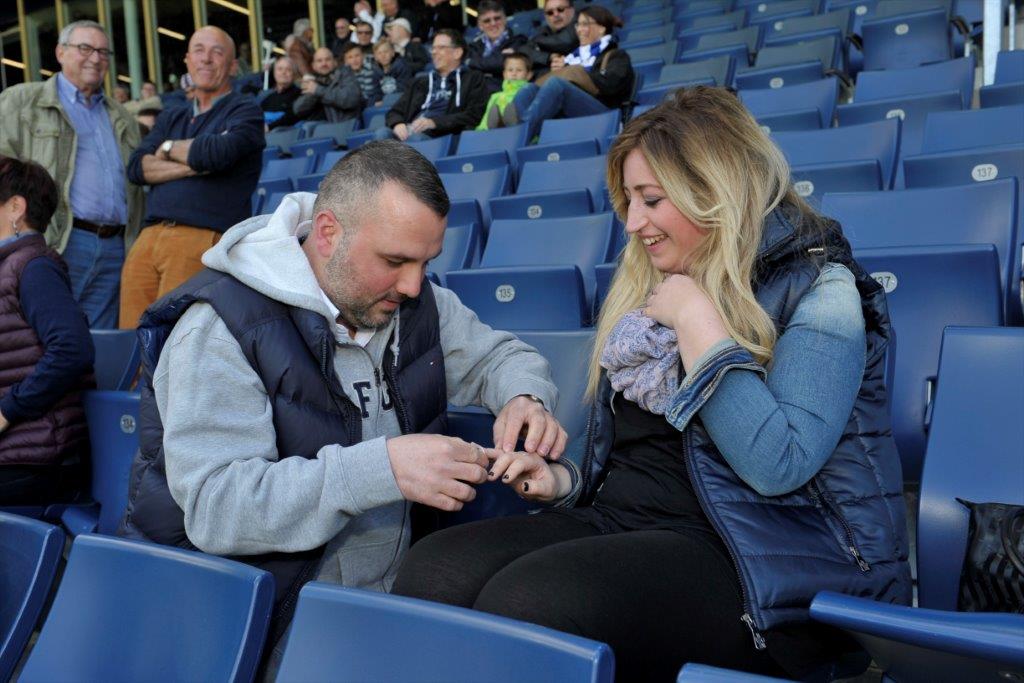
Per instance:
(385,133)
(556,96)
(94,265)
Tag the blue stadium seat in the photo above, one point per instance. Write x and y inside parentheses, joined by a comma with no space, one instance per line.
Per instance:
(548,176)
(534,205)
(916,35)
(657,94)
(460,249)
(369,113)
(771,12)
(329,159)
(131,611)
(950,131)
(113,418)
(973,454)
(700,8)
(663,31)
(849,159)
(464,212)
(603,273)
(525,297)
(470,163)
(837,23)
(728,21)
(392,638)
(718,69)
(783,65)
(283,138)
(557,151)
(596,126)
(117,358)
(501,139)
(313,148)
(689,38)
(272,201)
(434,148)
(271,152)
(1008,87)
(30,552)
(954,74)
(804,106)
(928,288)
(265,188)
(281,169)
(742,44)
(666,52)
(339,131)
(702,673)
(309,183)
(479,186)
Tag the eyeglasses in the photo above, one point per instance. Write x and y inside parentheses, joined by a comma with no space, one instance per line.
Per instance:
(86,50)
(556,10)
(438,48)
(487,21)
(581,22)
(365,32)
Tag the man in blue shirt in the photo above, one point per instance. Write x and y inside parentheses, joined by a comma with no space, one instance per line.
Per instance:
(202,162)
(83,139)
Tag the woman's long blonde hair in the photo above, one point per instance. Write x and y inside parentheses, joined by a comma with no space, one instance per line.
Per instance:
(722,172)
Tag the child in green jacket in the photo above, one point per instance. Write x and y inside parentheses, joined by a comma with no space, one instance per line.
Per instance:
(516,74)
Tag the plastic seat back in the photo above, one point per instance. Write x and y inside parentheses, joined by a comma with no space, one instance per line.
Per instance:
(479,186)
(838,22)
(912,111)
(113,418)
(434,148)
(283,138)
(30,552)
(524,297)
(596,126)
(905,82)
(329,159)
(337,131)
(500,139)
(919,37)
(718,69)
(549,176)
(770,106)
(347,635)
(460,248)
(954,130)
(117,358)
(132,611)
(286,169)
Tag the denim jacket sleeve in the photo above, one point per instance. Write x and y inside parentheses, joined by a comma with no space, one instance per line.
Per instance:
(777,429)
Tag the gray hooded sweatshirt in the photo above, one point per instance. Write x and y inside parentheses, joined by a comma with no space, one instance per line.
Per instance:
(239,495)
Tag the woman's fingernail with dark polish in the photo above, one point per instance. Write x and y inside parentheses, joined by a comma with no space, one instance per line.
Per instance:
(526,486)
(505,477)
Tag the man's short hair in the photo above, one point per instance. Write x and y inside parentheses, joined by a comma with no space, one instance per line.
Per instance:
(518,57)
(351,46)
(486,6)
(454,36)
(301,26)
(355,180)
(65,33)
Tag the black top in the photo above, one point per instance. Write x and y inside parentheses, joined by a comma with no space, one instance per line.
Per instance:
(282,101)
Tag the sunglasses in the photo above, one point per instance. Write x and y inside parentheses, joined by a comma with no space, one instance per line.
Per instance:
(555,10)
(487,21)
(365,33)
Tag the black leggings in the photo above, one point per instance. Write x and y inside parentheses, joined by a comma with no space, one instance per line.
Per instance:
(658,598)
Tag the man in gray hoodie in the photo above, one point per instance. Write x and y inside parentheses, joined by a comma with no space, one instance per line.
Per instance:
(283,419)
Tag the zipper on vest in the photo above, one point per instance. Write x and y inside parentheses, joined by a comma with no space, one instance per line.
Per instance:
(833,509)
(396,398)
(746,618)
(588,453)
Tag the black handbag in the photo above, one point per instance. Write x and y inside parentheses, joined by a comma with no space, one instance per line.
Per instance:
(992,579)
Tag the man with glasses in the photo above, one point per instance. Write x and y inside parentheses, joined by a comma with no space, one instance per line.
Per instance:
(201,162)
(486,52)
(343,37)
(556,37)
(449,99)
(83,139)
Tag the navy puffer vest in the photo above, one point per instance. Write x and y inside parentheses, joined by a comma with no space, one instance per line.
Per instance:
(59,436)
(292,350)
(845,530)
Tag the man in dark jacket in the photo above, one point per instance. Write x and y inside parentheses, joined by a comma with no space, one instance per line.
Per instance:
(332,95)
(449,100)
(436,15)
(486,53)
(556,37)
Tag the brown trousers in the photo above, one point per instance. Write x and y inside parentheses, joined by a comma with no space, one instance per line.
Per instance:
(163,257)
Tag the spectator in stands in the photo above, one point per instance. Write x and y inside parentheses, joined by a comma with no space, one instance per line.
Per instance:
(46,352)
(288,441)
(740,412)
(415,55)
(83,139)
(593,78)
(390,11)
(395,73)
(436,15)
(148,90)
(556,38)
(486,52)
(278,102)
(367,75)
(449,99)
(300,54)
(121,95)
(516,75)
(145,112)
(364,35)
(303,30)
(202,163)
(333,97)
(342,36)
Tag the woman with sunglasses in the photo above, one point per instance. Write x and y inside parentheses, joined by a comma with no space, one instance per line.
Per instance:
(592,79)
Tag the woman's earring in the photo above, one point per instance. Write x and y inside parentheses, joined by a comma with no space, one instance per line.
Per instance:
(14,224)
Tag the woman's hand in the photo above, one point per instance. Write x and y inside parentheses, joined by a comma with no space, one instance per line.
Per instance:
(678,302)
(530,475)
(557,62)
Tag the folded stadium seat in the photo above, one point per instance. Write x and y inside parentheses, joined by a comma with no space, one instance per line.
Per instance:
(514,285)
(279,169)
(117,358)
(655,95)
(309,182)
(30,552)
(283,137)
(838,22)
(973,454)
(953,74)
(329,159)
(1008,87)
(460,250)
(850,159)
(649,13)
(464,212)
(687,11)
(760,12)
(742,44)
(471,163)
(982,214)
(307,128)
(434,148)
(348,635)
(113,418)
(718,69)
(500,139)
(369,113)
(603,273)
(804,106)
(479,186)
(265,188)
(688,38)
(663,31)
(702,673)
(790,64)
(272,201)
(665,51)
(132,611)
(313,149)
(975,147)
(557,151)
(731,21)
(648,71)
(901,34)
(271,152)
(554,189)
(337,131)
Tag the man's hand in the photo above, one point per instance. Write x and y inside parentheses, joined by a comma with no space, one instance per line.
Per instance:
(421,125)
(3,423)
(531,476)
(557,62)
(543,433)
(361,6)
(401,131)
(437,470)
(309,86)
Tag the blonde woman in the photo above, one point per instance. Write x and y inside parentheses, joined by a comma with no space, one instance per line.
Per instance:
(738,458)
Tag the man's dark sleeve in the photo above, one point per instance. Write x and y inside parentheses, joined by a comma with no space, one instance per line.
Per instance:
(215,152)
(543,46)
(343,92)
(416,56)
(402,110)
(474,94)
(494,63)
(615,78)
(45,296)
(149,145)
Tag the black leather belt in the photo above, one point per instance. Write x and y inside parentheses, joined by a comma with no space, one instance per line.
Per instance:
(102,231)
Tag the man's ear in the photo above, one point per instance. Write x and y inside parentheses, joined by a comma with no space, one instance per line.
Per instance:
(326,233)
